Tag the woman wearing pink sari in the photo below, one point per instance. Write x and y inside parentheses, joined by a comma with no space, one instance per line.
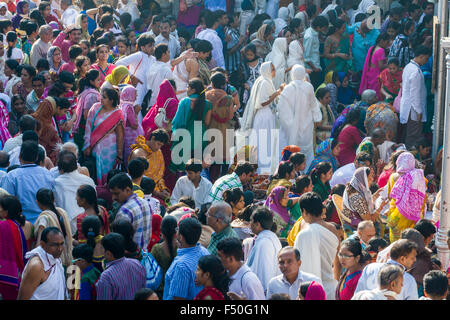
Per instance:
(130,112)
(168,98)
(374,65)
(4,121)
(104,134)
(87,97)
(13,246)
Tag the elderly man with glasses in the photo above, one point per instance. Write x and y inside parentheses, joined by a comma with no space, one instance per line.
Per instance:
(218,217)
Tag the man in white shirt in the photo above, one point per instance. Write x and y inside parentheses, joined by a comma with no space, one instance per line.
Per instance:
(403,253)
(192,185)
(291,278)
(72,147)
(344,174)
(414,97)
(166,38)
(210,34)
(67,184)
(69,13)
(159,71)
(244,283)
(139,63)
(262,258)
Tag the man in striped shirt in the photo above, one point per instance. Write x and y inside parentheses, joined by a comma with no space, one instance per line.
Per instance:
(241,176)
(134,209)
(123,277)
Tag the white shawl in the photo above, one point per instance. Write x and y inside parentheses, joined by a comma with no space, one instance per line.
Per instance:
(278,58)
(295,54)
(259,90)
(298,109)
(263,259)
(54,288)
(318,247)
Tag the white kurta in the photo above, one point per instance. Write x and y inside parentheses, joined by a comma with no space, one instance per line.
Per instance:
(158,72)
(318,247)
(263,259)
(298,109)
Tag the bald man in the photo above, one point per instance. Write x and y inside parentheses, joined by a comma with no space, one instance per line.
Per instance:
(365,232)
(219,217)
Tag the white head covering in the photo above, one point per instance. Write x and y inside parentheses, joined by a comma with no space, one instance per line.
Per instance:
(295,54)
(8,14)
(298,73)
(283,13)
(254,103)
(278,58)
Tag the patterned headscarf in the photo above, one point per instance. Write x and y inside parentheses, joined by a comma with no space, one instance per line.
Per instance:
(50,54)
(360,183)
(324,153)
(409,190)
(273,203)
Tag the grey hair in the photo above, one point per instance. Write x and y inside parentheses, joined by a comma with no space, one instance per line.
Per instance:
(68,146)
(389,273)
(369,96)
(222,211)
(365,224)
(45,29)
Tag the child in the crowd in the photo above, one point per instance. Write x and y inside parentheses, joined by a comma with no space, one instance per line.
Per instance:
(391,80)
(148,185)
(82,258)
(375,245)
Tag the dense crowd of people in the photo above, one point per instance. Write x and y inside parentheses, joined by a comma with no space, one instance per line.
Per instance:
(217,150)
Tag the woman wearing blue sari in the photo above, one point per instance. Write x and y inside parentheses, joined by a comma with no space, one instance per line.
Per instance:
(327,151)
(194,115)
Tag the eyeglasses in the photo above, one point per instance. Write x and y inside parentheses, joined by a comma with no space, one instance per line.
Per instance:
(340,255)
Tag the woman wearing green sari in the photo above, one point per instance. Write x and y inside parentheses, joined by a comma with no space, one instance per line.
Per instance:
(194,115)
(337,54)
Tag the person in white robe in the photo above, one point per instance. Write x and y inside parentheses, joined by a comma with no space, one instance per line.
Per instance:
(158,71)
(318,245)
(272,8)
(263,257)
(298,109)
(259,119)
(278,57)
(295,54)
(282,20)
(54,288)
(130,7)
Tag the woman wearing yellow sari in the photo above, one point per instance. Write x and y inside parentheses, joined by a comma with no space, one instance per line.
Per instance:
(407,192)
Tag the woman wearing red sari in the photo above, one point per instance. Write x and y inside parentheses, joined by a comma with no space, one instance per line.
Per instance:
(351,258)
(12,246)
(167,99)
(211,274)
(102,64)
